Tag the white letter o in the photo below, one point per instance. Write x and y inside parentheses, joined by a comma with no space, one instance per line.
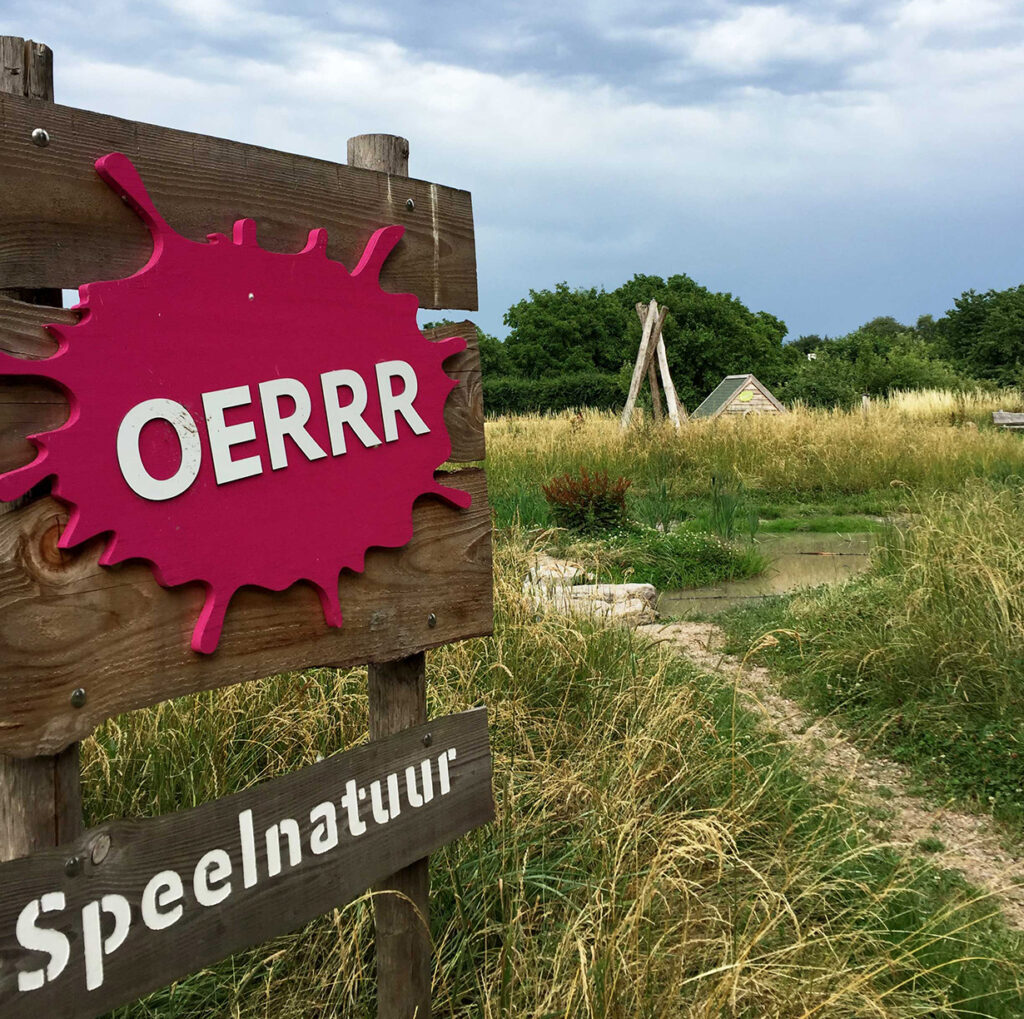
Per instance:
(129,459)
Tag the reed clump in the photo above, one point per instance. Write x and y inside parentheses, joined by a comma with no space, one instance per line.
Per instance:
(655,852)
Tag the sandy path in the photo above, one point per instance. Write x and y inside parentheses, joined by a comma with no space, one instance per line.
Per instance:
(972,842)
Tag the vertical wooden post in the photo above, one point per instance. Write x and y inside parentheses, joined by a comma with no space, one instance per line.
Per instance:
(398,700)
(26,69)
(40,797)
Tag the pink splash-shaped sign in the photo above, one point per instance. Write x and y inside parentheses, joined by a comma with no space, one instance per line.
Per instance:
(242,417)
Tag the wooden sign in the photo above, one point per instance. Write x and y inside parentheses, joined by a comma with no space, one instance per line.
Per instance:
(243,421)
(81,642)
(59,229)
(222,378)
(133,905)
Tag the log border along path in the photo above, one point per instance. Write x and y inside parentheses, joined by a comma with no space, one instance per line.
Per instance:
(972,842)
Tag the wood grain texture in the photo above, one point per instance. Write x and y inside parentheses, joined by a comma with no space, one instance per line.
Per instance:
(1004,418)
(67,622)
(398,701)
(60,226)
(139,850)
(31,405)
(388,153)
(40,802)
(676,411)
(40,797)
(464,411)
(26,68)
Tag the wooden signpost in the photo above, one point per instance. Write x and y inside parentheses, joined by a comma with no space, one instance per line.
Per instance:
(133,905)
(288,392)
(652,345)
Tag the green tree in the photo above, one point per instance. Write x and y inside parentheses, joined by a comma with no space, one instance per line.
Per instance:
(493,355)
(565,331)
(707,335)
(830,380)
(879,357)
(984,334)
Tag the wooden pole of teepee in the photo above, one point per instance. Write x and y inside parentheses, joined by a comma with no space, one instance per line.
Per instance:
(652,346)
(640,368)
(676,411)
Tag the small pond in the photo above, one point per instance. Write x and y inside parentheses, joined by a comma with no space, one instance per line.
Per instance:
(794,560)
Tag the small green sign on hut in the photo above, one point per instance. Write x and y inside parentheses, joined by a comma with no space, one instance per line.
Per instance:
(739,394)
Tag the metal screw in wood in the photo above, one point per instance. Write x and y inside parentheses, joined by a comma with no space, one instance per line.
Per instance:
(100,849)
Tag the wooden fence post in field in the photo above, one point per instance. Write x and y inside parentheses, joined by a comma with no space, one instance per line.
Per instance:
(398,700)
(40,797)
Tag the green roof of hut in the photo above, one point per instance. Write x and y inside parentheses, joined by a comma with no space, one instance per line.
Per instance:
(738,394)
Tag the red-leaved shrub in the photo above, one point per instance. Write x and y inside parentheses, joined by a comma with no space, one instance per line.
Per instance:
(589,502)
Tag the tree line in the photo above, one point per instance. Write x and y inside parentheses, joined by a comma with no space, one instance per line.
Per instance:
(575,347)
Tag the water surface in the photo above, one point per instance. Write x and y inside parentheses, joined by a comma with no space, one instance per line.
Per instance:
(794,560)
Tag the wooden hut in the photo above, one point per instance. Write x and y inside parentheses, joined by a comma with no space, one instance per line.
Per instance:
(739,394)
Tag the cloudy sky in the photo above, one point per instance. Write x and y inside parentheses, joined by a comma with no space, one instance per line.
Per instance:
(826,161)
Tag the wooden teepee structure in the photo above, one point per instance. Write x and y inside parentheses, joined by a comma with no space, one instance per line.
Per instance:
(652,345)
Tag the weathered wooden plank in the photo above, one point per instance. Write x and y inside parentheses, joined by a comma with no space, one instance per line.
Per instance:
(329,831)
(60,226)
(30,405)
(676,411)
(1008,419)
(66,622)
(398,700)
(26,68)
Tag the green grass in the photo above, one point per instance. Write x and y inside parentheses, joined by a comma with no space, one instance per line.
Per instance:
(527,507)
(668,560)
(924,655)
(822,525)
(655,853)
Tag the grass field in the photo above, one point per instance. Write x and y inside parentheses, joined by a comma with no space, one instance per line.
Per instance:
(925,654)
(656,851)
(798,465)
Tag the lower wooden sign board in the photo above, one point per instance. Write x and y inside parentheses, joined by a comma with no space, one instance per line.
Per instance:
(134,905)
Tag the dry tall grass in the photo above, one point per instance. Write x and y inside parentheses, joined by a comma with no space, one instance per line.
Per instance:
(655,854)
(929,441)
